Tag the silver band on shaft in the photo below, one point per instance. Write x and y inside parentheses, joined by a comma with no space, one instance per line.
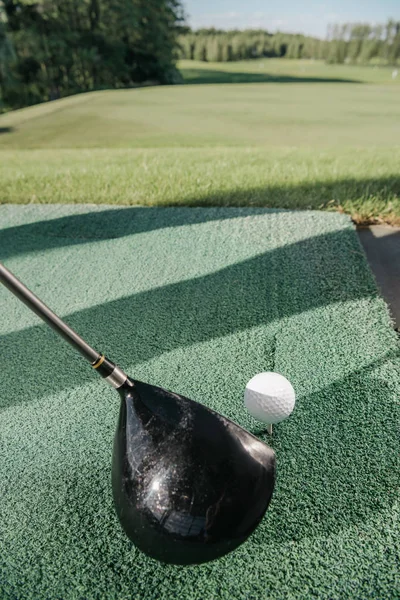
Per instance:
(117,378)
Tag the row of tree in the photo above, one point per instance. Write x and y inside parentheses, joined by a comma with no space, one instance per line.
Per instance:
(352,43)
(360,42)
(212,45)
(53,48)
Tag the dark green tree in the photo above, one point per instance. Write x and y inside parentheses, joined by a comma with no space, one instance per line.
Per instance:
(68,46)
(7,57)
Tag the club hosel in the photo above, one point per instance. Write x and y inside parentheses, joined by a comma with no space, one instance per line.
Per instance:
(110,372)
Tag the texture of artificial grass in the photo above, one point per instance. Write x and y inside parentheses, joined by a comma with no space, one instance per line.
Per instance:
(198,300)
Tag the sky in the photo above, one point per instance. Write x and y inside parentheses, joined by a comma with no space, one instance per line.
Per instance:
(305,16)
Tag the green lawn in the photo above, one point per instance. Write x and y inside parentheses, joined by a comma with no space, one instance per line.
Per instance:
(301,135)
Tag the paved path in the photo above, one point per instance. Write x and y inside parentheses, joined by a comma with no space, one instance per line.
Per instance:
(382,247)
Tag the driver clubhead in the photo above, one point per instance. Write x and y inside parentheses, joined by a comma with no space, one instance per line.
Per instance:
(189,485)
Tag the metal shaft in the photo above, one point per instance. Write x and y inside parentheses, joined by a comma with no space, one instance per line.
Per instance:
(43,311)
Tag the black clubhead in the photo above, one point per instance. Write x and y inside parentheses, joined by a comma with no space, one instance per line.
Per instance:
(189,485)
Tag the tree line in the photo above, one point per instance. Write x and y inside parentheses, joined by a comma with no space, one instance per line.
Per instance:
(348,43)
(53,48)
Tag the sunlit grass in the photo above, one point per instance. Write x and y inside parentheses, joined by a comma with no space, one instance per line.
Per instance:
(365,183)
(322,145)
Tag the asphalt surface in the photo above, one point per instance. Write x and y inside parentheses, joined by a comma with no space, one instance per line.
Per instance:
(382,247)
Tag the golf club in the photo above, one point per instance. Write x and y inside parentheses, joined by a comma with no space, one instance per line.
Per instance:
(189,485)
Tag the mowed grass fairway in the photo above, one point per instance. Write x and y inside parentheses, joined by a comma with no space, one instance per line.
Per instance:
(303,135)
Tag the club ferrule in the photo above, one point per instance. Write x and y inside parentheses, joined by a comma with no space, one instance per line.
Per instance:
(110,372)
(117,378)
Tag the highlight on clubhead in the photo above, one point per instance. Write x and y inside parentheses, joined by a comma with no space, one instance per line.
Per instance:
(189,485)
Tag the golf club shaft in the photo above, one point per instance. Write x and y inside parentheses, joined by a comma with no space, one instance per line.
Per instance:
(107,369)
(44,312)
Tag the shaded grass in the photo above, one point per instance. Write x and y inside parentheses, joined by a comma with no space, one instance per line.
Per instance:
(362,182)
(193,75)
(284,71)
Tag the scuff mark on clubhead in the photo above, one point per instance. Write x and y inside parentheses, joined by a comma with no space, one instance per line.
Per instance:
(189,485)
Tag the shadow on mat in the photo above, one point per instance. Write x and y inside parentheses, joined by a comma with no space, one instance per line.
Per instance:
(108,224)
(121,222)
(339,473)
(343,469)
(145,325)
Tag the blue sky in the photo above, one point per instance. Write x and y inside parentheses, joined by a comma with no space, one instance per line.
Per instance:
(305,16)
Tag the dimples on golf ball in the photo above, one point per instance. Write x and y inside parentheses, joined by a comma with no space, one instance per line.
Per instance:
(269,397)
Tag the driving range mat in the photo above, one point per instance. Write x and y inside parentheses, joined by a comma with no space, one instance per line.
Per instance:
(198,300)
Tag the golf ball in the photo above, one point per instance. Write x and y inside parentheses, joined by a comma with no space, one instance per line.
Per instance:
(269,397)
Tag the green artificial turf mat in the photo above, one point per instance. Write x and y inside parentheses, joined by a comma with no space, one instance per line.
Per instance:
(198,300)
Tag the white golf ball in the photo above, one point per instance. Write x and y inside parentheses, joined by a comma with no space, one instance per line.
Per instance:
(269,397)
